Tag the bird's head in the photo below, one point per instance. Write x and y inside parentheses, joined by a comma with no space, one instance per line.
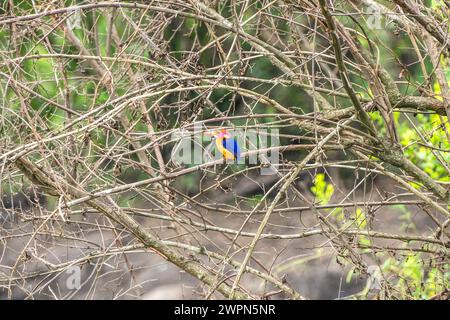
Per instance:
(220,133)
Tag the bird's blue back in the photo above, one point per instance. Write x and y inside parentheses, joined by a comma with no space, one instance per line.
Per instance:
(232,146)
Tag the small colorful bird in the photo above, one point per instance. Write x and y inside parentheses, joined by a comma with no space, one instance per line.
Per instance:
(226,145)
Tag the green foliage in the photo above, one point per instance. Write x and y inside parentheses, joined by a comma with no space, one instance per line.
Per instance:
(406,218)
(413,279)
(322,190)
(431,127)
(360,219)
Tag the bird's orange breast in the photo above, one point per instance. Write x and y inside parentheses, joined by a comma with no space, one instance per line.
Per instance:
(226,153)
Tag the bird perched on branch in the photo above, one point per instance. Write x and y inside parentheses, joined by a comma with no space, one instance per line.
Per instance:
(226,145)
